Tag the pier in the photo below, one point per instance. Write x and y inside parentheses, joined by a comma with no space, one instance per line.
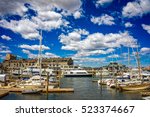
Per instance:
(53,90)
(59,90)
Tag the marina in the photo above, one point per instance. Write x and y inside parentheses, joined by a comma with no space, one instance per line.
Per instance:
(54,90)
(85,58)
(102,66)
(82,89)
(114,82)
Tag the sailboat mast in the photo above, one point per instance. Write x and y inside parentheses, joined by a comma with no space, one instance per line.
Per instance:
(129,69)
(40,53)
(139,66)
(128,57)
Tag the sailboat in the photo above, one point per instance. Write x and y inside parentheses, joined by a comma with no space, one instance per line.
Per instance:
(136,86)
(36,81)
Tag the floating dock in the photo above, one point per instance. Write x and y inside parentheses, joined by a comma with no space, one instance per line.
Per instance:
(53,90)
(3,93)
(59,90)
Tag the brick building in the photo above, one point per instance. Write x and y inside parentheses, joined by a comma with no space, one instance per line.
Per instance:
(13,63)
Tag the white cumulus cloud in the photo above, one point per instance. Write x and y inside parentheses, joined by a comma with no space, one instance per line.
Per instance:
(44,55)
(4,49)
(34,47)
(25,27)
(46,19)
(17,7)
(5,37)
(103,3)
(97,43)
(146,27)
(128,24)
(103,20)
(136,8)
(113,56)
(12,7)
(77,14)
(28,29)
(88,61)
(145,50)
(50,55)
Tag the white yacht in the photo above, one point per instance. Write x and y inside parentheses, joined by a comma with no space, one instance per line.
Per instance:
(33,81)
(77,73)
(32,70)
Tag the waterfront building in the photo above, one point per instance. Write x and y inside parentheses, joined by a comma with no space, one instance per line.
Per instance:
(11,63)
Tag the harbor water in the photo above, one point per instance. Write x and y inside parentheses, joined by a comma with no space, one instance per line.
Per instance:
(84,89)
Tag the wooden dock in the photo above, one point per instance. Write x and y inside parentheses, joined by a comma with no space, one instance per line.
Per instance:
(53,90)
(60,90)
(3,93)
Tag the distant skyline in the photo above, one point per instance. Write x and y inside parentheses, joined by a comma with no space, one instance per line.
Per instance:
(92,32)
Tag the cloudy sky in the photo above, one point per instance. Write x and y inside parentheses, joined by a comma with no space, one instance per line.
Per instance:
(92,32)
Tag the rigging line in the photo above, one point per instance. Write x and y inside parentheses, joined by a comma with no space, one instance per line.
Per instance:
(133,53)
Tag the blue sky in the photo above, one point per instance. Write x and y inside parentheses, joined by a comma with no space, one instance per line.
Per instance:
(91,32)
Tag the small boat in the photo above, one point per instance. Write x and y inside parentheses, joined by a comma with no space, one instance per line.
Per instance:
(31,91)
(33,81)
(53,81)
(135,87)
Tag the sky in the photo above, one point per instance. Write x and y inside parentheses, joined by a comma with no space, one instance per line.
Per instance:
(92,32)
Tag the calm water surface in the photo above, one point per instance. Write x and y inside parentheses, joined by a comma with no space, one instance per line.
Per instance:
(84,89)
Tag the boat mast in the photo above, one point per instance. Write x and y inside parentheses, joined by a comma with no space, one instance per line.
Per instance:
(129,70)
(139,65)
(40,53)
(128,57)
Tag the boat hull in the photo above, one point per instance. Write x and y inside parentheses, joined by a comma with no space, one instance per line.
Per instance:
(135,87)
